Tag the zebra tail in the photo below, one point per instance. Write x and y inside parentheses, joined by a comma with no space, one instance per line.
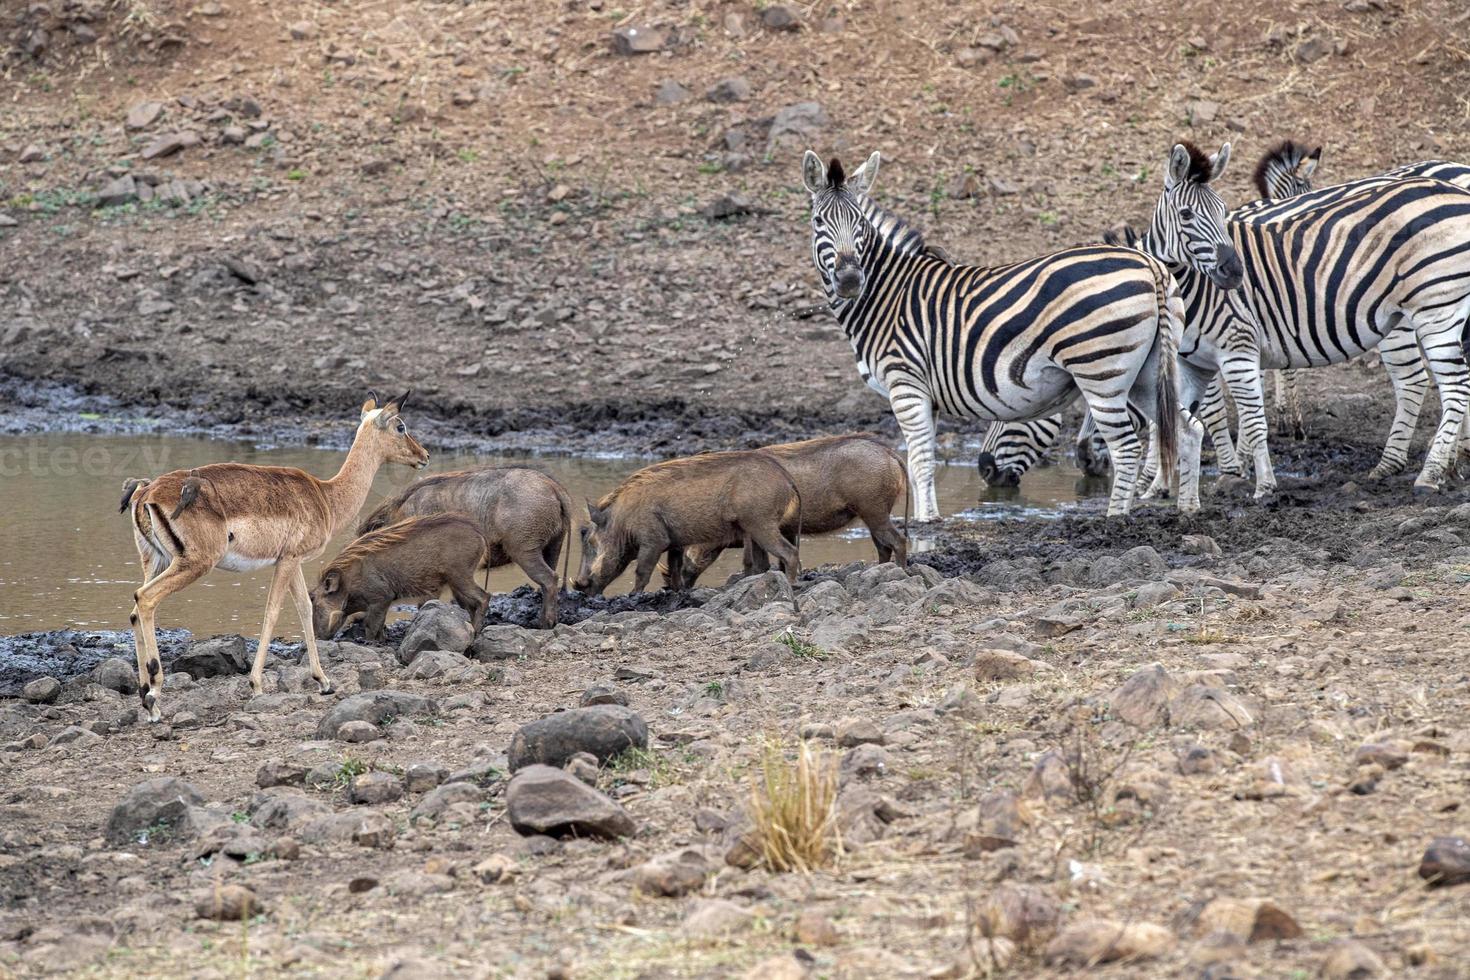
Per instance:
(1166,396)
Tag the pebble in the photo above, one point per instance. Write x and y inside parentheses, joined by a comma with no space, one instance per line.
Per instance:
(1446,862)
(229,903)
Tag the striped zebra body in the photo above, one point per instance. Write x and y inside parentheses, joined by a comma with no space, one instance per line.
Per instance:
(1011,343)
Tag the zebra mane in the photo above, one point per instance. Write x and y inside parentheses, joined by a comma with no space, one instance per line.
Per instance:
(1200,167)
(1284,156)
(897,233)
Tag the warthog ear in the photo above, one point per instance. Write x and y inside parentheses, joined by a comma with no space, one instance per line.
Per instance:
(331,582)
(598,515)
(861,180)
(813,174)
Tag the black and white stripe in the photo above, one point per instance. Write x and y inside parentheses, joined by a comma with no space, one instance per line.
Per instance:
(1014,342)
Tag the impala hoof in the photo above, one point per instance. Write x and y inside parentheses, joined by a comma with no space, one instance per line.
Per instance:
(326,686)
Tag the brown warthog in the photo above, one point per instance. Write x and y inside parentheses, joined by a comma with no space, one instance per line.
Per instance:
(525,516)
(841,479)
(665,508)
(413,559)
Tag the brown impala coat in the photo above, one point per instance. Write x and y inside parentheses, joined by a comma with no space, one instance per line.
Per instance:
(411,559)
(240,518)
(841,479)
(524,514)
(665,508)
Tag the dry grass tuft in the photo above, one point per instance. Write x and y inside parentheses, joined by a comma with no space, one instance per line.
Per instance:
(794,805)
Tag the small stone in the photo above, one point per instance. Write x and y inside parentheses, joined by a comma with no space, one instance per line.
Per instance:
(671,92)
(1001,818)
(302,30)
(116,674)
(1023,913)
(153,809)
(1393,754)
(375,787)
(1351,960)
(169,144)
(144,114)
(717,917)
(1005,665)
(780,17)
(464,98)
(42,690)
(277,772)
(543,800)
(858,731)
(1246,921)
(229,903)
(1202,112)
(358,732)
(1143,699)
(1446,862)
(285,849)
(814,929)
(603,694)
(584,766)
(436,626)
(734,89)
(1086,942)
(31,154)
(672,874)
(864,761)
(1200,544)
(233,135)
(1199,760)
(1312,49)
(421,777)
(497,869)
(637,39)
(375,708)
(1077,83)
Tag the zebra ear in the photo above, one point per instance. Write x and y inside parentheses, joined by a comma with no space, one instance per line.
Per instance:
(1178,166)
(861,180)
(813,173)
(1308,166)
(1218,162)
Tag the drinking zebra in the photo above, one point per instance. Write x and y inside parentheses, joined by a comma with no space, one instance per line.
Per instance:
(1330,274)
(1017,342)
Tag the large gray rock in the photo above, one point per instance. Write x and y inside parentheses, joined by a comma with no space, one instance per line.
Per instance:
(375,708)
(603,730)
(153,807)
(441,798)
(42,690)
(543,800)
(430,664)
(286,811)
(796,127)
(505,643)
(436,626)
(116,674)
(752,592)
(221,656)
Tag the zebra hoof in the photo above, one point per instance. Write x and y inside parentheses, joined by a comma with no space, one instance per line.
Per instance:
(1425,489)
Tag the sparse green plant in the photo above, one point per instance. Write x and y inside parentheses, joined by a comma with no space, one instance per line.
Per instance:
(660,768)
(296,173)
(801,648)
(349,769)
(793,803)
(1049,218)
(714,689)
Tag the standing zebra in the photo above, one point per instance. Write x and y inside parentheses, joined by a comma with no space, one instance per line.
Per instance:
(1016,342)
(1329,275)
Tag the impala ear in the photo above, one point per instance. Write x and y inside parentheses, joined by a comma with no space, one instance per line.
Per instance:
(370,404)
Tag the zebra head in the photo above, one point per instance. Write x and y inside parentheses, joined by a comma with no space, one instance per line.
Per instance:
(1189,222)
(1286,171)
(840,229)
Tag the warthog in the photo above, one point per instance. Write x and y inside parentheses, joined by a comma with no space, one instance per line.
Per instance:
(841,479)
(411,559)
(663,509)
(525,516)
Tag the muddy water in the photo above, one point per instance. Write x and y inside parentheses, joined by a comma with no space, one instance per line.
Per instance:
(67,559)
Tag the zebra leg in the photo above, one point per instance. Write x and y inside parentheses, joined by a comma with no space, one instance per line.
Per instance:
(1092,451)
(1293,382)
(1242,373)
(1409,377)
(1439,336)
(1195,384)
(1214,415)
(1114,423)
(914,410)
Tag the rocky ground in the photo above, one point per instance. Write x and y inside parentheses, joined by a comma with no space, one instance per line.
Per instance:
(1233,745)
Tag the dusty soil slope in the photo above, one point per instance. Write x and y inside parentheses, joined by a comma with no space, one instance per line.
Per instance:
(489,203)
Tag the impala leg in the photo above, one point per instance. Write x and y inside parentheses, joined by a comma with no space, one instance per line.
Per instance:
(179,574)
(280,579)
(302,599)
(914,410)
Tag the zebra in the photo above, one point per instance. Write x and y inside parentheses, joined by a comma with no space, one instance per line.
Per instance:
(1016,342)
(1329,274)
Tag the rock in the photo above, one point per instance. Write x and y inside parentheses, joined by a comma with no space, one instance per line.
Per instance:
(233,840)
(637,39)
(604,731)
(375,708)
(436,626)
(1088,941)
(863,761)
(169,144)
(584,766)
(543,800)
(1022,913)
(672,874)
(116,674)
(1200,544)
(780,17)
(1446,862)
(233,135)
(796,127)
(1199,760)
(76,735)
(438,800)
(497,869)
(716,917)
(731,206)
(735,89)
(1050,778)
(302,30)
(858,731)
(1312,49)
(286,811)
(671,92)
(1004,665)
(505,643)
(420,777)
(1201,112)
(143,115)
(1063,617)
(434,663)
(278,772)
(1393,754)
(153,808)
(781,966)
(284,849)
(603,694)
(1143,699)
(31,154)
(221,656)
(375,788)
(1079,82)
(1206,707)
(42,690)
(1246,921)
(812,928)
(1351,960)
(415,884)
(1000,820)
(358,732)
(229,903)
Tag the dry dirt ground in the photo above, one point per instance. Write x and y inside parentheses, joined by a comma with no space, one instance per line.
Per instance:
(485,202)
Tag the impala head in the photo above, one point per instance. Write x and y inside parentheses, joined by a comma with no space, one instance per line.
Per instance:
(840,230)
(1189,222)
(328,604)
(602,552)
(384,425)
(1286,170)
